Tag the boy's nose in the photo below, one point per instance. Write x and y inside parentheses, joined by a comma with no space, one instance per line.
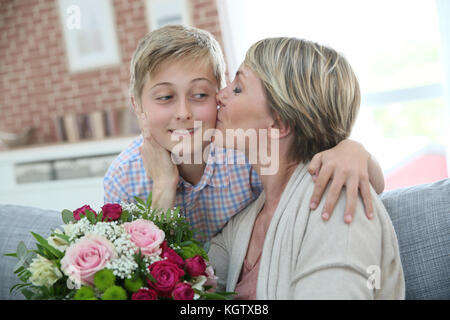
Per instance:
(183,112)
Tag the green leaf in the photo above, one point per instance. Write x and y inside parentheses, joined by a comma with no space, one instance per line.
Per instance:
(67,216)
(216,295)
(91,216)
(19,286)
(124,216)
(44,243)
(62,236)
(140,201)
(21,249)
(100,216)
(24,261)
(149,201)
(11,255)
(150,277)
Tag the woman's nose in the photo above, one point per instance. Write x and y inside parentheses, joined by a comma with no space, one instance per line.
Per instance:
(220,98)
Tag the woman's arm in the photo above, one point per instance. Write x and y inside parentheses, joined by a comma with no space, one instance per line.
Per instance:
(333,283)
(219,259)
(350,165)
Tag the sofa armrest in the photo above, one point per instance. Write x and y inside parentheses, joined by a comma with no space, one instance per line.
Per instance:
(16,223)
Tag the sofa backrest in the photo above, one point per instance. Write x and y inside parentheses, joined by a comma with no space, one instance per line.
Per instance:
(421,218)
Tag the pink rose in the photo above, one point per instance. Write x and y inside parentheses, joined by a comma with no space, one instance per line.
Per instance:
(145,235)
(171,255)
(111,211)
(82,210)
(145,294)
(183,291)
(167,274)
(195,266)
(89,255)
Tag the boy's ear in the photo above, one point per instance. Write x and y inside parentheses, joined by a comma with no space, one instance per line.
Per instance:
(136,106)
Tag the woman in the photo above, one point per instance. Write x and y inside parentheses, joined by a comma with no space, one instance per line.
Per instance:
(279,248)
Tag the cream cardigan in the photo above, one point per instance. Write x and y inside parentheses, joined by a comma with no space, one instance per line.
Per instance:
(304,257)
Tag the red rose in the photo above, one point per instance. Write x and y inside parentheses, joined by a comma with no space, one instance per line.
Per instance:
(171,255)
(183,291)
(111,211)
(167,274)
(195,266)
(145,294)
(82,210)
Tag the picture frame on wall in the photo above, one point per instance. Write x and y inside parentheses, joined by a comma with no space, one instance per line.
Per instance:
(89,34)
(164,12)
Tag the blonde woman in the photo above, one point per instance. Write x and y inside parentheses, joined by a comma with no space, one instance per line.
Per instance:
(278,247)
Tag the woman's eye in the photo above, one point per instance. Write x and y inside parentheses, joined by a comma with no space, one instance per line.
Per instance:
(237,90)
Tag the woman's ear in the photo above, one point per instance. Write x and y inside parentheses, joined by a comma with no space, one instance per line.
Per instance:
(279,129)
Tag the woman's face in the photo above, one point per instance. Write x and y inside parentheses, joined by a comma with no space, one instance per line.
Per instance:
(178,94)
(243,105)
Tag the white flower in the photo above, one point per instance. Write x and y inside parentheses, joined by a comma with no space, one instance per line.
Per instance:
(197,283)
(43,272)
(69,229)
(57,242)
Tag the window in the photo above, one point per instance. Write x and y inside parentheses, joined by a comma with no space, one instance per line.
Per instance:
(395,50)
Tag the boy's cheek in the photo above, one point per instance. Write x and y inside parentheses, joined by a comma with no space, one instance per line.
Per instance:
(208,116)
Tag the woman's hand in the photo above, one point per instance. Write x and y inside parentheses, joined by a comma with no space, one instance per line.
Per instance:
(350,165)
(159,167)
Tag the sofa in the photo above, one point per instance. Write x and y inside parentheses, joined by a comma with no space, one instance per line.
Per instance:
(420,215)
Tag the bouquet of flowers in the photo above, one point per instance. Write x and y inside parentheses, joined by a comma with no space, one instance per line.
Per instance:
(125,251)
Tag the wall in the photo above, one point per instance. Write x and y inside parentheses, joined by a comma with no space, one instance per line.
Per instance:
(35,83)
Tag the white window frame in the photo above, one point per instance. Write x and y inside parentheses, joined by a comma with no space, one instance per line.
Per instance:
(443,8)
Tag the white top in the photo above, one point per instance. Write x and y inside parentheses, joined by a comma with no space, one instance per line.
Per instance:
(305,257)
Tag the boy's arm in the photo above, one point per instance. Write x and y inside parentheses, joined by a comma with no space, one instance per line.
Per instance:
(158,166)
(114,186)
(350,165)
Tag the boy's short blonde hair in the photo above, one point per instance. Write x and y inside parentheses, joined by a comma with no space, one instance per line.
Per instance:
(311,88)
(172,43)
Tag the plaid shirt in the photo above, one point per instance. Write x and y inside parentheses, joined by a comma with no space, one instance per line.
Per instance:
(227,186)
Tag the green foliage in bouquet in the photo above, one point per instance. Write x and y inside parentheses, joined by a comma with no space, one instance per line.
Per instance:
(130,270)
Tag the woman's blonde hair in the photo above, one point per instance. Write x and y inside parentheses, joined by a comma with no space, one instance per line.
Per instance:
(174,43)
(311,88)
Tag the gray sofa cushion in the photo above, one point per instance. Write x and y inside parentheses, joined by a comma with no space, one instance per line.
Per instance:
(16,223)
(421,218)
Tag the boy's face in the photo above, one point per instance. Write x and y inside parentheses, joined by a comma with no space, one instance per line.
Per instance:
(176,95)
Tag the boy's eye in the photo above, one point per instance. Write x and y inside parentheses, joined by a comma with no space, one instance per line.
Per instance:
(237,90)
(200,95)
(164,98)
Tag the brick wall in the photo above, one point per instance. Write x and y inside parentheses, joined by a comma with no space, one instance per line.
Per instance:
(35,83)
